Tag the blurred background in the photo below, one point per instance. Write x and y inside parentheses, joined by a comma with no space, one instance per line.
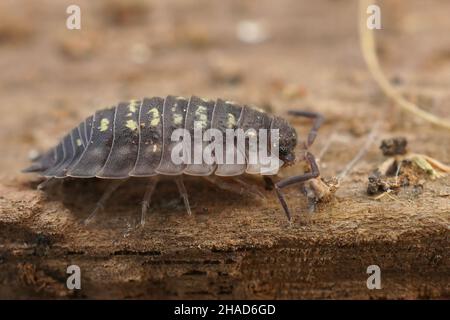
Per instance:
(276,55)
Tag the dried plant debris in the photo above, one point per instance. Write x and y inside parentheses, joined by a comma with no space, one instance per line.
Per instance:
(319,190)
(394,146)
(403,169)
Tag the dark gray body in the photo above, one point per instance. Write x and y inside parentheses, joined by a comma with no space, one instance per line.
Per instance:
(133,139)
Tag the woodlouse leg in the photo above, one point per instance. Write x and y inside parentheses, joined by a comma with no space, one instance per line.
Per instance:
(147,197)
(106,195)
(46,183)
(183,193)
(243,189)
(296,179)
(252,189)
(318,120)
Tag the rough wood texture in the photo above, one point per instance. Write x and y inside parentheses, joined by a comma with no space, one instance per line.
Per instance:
(233,247)
(231,250)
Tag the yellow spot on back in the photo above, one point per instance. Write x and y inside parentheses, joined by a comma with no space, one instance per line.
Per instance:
(155,117)
(104,124)
(206,99)
(131,124)
(177,118)
(78,142)
(199,125)
(231,121)
(154,122)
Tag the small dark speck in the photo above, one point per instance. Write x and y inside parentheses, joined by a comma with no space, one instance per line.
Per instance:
(396,80)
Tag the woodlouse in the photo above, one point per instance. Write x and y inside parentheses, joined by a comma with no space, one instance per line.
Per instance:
(132,139)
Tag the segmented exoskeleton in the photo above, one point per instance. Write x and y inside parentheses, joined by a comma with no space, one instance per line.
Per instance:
(133,139)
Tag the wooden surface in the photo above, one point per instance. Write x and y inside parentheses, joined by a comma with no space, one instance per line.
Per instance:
(229,249)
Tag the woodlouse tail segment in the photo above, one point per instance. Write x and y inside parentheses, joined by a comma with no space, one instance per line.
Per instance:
(183,193)
(113,185)
(42,162)
(318,121)
(147,198)
(314,173)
